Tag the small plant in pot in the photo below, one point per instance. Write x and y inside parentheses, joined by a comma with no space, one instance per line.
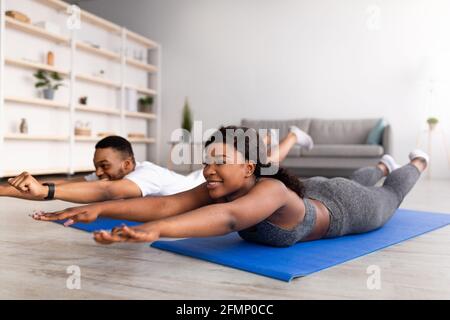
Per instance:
(145,104)
(186,123)
(432,122)
(49,81)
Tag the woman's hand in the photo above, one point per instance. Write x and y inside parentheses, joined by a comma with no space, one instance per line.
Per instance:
(85,214)
(144,233)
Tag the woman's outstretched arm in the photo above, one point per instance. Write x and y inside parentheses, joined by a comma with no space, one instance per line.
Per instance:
(139,209)
(212,220)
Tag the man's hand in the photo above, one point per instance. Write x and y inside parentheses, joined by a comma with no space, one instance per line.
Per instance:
(27,184)
(85,214)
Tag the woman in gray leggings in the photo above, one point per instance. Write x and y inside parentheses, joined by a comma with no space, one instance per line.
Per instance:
(278,210)
(354,205)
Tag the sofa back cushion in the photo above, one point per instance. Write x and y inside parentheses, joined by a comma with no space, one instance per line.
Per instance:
(282,125)
(353,131)
(343,151)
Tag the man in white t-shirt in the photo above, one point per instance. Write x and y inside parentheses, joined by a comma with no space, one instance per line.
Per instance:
(117,176)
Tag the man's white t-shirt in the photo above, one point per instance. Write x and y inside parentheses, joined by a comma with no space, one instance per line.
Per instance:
(158,181)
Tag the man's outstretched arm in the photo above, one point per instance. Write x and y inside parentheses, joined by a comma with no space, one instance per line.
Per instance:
(25,186)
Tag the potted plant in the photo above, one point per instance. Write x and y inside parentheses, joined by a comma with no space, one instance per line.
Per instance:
(50,81)
(145,104)
(432,122)
(186,123)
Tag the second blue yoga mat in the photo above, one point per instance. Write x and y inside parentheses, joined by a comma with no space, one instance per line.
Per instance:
(307,257)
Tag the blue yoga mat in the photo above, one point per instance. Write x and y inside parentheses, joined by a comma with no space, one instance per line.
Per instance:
(101,224)
(307,257)
(299,260)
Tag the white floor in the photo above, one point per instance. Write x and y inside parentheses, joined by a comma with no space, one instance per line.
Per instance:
(35,256)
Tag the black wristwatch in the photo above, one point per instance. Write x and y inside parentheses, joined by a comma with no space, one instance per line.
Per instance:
(51,190)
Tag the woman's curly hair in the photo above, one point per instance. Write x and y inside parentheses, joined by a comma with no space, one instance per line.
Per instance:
(255,150)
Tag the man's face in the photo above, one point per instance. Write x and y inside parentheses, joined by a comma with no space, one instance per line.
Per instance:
(110,164)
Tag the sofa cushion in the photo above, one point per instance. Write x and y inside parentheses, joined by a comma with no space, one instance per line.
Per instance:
(341,131)
(376,134)
(344,151)
(282,125)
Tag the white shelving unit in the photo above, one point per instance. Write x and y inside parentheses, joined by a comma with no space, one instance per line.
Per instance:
(76,81)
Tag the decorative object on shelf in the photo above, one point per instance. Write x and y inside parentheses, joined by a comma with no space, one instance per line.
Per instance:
(19,16)
(135,135)
(100,73)
(50,58)
(83,100)
(145,104)
(83,129)
(50,81)
(23,127)
(93,45)
(432,122)
(49,27)
(186,123)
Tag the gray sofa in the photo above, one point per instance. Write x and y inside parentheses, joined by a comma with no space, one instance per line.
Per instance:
(339,145)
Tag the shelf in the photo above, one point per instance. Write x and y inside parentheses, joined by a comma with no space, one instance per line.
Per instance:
(141,40)
(148,91)
(88,17)
(37,172)
(84,169)
(97,110)
(98,80)
(29,28)
(27,137)
(87,138)
(142,140)
(100,22)
(92,138)
(55,4)
(98,51)
(74,46)
(141,65)
(35,65)
(143,115)
(37,102)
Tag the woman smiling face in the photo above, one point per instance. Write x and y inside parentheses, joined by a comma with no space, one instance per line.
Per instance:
(226,171)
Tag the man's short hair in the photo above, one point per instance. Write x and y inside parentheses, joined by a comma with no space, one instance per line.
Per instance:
(117,143)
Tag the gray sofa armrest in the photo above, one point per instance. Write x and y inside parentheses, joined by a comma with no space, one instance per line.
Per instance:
(387,139)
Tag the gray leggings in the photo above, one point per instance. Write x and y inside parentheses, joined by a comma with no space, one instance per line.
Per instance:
(371,207)
(355,205)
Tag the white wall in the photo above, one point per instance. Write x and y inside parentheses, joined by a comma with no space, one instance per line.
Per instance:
(297,58)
